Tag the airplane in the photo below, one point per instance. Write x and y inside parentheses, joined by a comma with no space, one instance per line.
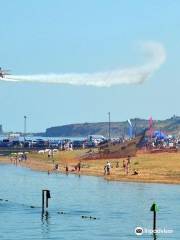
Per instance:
(4,72)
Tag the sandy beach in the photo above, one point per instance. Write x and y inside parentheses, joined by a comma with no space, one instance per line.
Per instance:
(151,168)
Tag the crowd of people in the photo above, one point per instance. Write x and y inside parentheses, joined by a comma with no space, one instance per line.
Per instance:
(58,168)
(18,157)
(126,164)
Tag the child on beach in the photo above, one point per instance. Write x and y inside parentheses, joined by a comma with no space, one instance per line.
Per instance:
(67,169)
(135,172)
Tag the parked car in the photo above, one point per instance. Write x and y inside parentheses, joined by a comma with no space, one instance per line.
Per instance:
(77,144)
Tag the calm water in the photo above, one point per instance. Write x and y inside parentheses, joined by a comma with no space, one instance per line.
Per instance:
(118,207)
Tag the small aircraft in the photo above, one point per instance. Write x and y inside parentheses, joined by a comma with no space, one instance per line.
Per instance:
(4,72)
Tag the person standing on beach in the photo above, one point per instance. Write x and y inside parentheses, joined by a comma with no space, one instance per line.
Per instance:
(56,167)
(24,156)
(79,166)
(67,169)
(105,169)
(52,153)
(16,159)
(49,153)
(127,167)
(108,165)
(124,165)
(129,160)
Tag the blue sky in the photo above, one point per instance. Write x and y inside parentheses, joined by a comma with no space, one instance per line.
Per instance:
(62,36)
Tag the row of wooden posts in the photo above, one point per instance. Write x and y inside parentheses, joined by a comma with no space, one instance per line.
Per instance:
(46,195)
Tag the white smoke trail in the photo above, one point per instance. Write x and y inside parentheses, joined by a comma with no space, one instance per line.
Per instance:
(132,75)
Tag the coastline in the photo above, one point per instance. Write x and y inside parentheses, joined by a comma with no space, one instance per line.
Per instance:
(95,168)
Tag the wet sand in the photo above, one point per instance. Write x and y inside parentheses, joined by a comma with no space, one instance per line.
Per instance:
(151,168)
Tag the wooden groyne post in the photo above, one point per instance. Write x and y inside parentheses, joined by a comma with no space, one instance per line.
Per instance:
(45,197)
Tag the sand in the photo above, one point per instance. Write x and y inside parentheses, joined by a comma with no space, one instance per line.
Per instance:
(151,168)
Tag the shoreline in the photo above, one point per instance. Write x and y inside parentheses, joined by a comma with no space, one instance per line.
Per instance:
(90,170)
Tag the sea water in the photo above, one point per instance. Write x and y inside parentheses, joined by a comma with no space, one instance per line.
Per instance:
(118,208)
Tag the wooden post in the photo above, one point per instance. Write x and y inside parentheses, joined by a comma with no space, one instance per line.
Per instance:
(46,201)
(47,196)
(42,200)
